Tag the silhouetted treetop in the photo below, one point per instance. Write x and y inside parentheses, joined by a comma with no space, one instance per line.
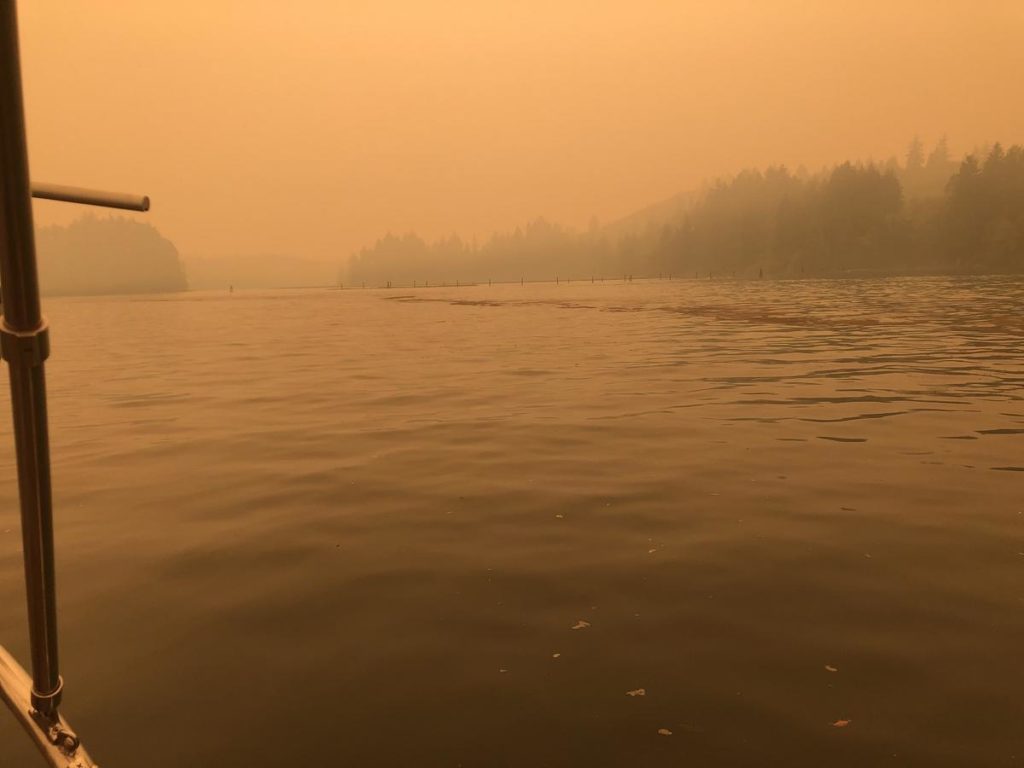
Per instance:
(107,255)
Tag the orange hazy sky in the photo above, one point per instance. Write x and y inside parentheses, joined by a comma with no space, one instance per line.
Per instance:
(310,128)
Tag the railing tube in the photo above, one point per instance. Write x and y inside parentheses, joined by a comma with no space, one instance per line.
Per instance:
(24,345)
(89,196)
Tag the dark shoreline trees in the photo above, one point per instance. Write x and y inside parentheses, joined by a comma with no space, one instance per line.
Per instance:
(105,256)
(983,222)
(928,215)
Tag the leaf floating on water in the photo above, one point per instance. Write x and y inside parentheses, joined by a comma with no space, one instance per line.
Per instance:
(503,670)
(581,624)
(664,732)
(841,723)
(559,516)
(555,655)
(830,668)
(651,551)
(637,692)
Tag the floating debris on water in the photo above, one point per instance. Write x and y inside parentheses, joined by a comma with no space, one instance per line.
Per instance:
(637,692)
(581,624)
(555,655)
(830,668)
(841,723)
(664,732)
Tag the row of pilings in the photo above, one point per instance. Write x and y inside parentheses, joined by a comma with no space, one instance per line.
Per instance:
(558,280)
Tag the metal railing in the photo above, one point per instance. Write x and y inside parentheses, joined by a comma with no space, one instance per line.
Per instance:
(90,197)
(24,344)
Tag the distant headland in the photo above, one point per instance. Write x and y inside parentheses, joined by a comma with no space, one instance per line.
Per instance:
(93,256)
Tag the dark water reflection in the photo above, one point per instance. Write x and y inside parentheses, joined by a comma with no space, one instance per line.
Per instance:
(358,527)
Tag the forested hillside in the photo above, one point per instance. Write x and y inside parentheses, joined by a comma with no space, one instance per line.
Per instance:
(107,255)
(927,214)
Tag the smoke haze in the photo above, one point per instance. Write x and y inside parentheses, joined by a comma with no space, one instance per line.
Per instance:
(312,129)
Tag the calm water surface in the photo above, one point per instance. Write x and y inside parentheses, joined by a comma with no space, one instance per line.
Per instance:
(359,527)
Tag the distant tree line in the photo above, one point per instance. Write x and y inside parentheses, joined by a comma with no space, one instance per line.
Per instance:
(538,250)
(928,214)
(107,255)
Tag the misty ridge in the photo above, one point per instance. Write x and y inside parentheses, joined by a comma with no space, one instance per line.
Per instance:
(927,214)
(118,255)
(94,256)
